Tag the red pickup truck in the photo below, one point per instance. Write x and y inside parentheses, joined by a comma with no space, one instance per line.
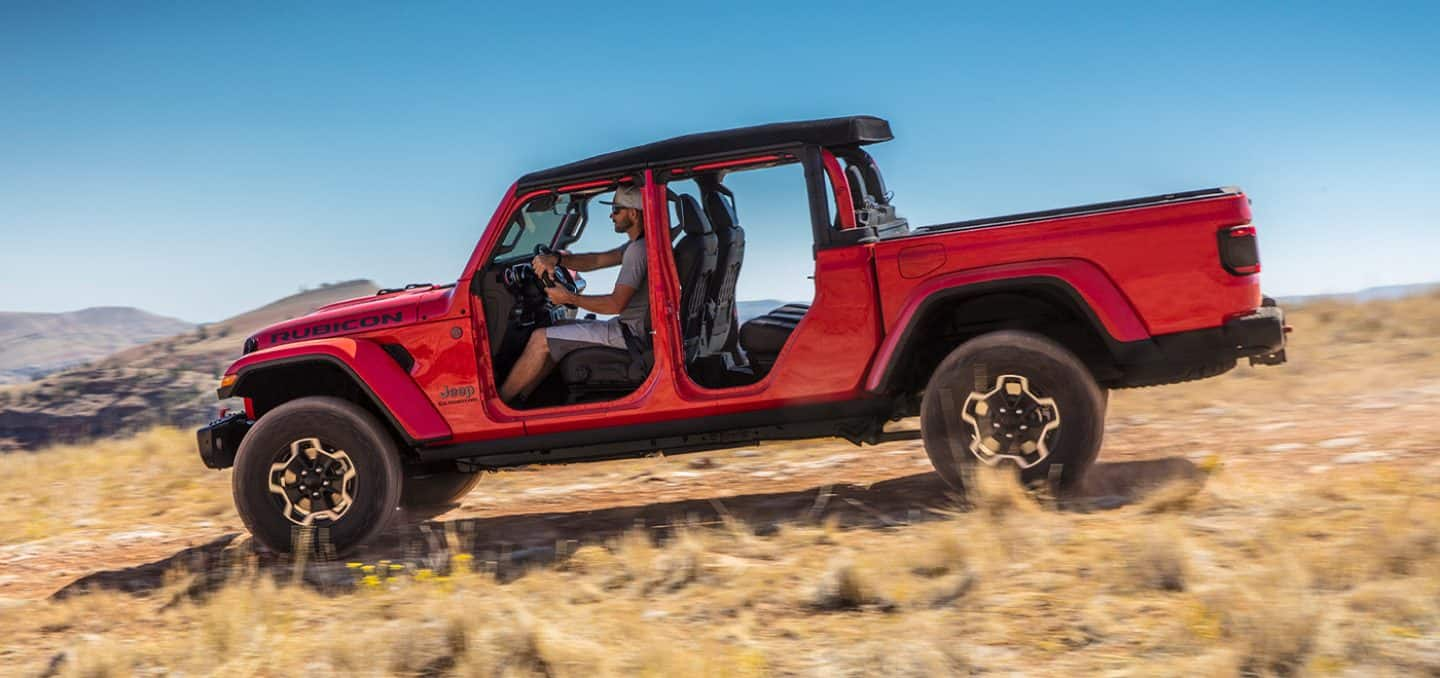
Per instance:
(1003,335)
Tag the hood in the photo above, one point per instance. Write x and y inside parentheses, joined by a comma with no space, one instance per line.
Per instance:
(353,316)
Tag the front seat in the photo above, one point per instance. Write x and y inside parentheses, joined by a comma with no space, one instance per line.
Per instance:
(695,260)
(602,372)
(720,207)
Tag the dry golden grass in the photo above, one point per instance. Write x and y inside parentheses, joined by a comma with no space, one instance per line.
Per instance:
(1249,581)
(143,483)
(1258,570)
(1336,348)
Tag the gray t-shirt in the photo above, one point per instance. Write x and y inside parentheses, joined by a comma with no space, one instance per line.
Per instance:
(633,268)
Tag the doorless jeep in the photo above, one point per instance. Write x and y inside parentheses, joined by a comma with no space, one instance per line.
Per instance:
(1003,335)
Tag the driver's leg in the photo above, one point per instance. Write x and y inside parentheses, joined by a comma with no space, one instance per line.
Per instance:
(529,370)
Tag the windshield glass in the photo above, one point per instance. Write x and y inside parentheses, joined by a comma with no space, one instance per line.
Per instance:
(536,223)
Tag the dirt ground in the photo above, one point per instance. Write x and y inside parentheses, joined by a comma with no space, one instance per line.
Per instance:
(1394,421)
(1361,396)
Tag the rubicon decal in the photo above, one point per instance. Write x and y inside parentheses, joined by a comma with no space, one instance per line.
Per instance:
(456,394)
(337,327)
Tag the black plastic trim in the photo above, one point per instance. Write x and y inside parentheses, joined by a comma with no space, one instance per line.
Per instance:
(845,237)
(234,390)
(1181,356)
(814,164)
(1256,333)
(851,418)
(852,130)
(402,357)
(869,170)
(1259,335)
(1120,351)
(220,440)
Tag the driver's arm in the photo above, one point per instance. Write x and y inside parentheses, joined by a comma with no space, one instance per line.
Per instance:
(580,262)
(609,304)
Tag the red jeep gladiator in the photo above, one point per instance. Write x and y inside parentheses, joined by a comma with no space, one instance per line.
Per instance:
(1003,335)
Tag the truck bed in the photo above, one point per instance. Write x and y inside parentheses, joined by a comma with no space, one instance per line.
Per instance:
(1157,255)
(1094,208)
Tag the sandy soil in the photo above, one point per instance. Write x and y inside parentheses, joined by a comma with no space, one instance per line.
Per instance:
(1395,422)
(1304,543)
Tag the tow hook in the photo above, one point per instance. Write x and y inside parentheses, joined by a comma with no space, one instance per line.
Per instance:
(1276,358)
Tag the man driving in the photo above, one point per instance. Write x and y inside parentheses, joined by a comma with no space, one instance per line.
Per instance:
(630,301)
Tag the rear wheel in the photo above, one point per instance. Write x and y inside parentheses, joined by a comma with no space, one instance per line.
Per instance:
(431,488)
(1015,399)
(317,472)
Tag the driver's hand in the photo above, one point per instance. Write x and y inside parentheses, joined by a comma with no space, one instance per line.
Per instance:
(559,295)
(544,263)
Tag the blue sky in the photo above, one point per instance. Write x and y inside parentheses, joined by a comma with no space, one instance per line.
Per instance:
(200,159)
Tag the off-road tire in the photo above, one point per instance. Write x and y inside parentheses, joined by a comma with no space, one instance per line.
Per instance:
(338,423)
(1050,370)
(433,488)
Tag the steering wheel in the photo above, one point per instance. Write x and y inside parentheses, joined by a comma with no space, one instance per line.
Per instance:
(563,277)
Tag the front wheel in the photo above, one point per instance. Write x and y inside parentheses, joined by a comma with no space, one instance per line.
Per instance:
(319,472)
(1015,399)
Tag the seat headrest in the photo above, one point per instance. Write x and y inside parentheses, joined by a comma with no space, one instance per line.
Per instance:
(692,217)
(858,190)
(720,211)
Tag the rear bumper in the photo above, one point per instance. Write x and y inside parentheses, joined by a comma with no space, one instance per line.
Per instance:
(220,439)
(1259,336)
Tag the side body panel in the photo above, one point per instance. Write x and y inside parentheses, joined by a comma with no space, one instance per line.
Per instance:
(446,370)
(1163,261)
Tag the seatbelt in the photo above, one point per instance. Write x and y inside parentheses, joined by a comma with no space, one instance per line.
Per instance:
(636,351)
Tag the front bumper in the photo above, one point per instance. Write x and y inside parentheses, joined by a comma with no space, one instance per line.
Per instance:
(1259,336)
(220,439)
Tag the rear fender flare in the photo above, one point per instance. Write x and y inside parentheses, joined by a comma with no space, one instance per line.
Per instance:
(393,392)
(1108,310)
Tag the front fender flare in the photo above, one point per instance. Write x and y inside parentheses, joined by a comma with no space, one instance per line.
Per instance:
(1084,283)
(391,389)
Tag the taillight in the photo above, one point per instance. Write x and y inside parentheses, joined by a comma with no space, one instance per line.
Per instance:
(1239,253)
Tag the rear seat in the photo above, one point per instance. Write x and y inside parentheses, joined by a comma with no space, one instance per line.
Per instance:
(763,337)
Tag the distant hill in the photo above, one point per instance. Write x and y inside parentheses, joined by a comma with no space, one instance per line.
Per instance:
(37,344)
(1367,294)
(166,381)
(172,380)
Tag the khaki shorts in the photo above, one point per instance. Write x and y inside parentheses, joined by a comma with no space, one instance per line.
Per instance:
(576,334)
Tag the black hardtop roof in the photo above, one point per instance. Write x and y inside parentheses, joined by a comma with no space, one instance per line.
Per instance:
(847,131)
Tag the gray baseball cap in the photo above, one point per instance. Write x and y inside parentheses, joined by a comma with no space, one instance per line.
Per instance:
(626,196)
